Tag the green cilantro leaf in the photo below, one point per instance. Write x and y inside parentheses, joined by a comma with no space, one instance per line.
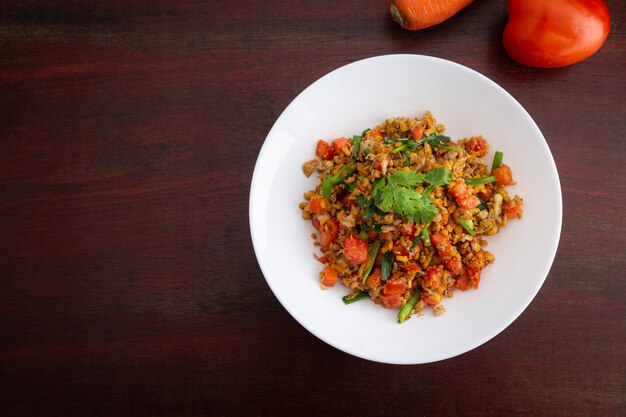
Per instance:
(407,179)
(439,176)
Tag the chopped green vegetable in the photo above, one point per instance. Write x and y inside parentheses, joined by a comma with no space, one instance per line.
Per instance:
(425,236)
(365,131)
(363,235)
(360,296)
(387,265)
(446,147)
(497,160)
(332,180)
(407,160)
(368,207)
(371,257)
(468,225)
(415,242)
(478,181)
(356,145)
(483,203)
(408,307)
(366,152)
(396,193)
(388,141)
(439,176)
(351,186)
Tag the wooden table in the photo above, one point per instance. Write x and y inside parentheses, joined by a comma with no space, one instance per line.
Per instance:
(128,134)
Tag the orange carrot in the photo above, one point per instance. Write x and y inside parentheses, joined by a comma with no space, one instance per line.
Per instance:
(420,14)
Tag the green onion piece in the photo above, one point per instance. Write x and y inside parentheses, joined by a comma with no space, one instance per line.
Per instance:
(363,235)
(330,181)
(415,242)
(400,148)
(406,308)
(428,190)
(444,146)
(351,186)
(360,296)
(371,258)
(388,141)
(356,145)
(366,152)
(483,203)
(387,265)
(497,160)
(477,181)
(407,160)
(365,131)
(468,225)
(425,236)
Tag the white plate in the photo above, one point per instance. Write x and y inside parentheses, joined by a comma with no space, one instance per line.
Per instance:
(361,95)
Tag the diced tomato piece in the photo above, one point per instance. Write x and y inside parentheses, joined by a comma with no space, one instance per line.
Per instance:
(394,287)
(434,277)
(329,277)
(410,267)
(318,204)
(372,234)
(487,193)
(462,282)
(324,150)
(473,274)
(323,259)
(329,232)
(512,209)
(418,132)
(391,301)
(477,146)
(374,134)
(453,265)
(342,145)
(468,202)
(437,238)
(355,249)
(503,174)
(375,279)
(316,222)
(429,299)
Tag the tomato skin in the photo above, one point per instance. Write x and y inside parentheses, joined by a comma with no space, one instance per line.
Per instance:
(418,132)
(453,265)
(324,150)
(477,146)
(318,205)
(329,232)
(342,145)
(503,174)
(329,277)
(355,249)
(555,33)
(512,209)
(393,287)
(391,301)
(433,278)
(375,279)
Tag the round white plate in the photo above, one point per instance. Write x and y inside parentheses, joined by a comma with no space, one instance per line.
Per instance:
(359,96)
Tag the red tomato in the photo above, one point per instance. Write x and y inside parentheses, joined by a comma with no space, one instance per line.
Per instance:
(393,287)
(318,205)
(429,300)
(391,301)
(487,193)
(462,282)
(437,238)
(473,274)
(375,279)
(503,175)
(378,162)
(355,249)
(346,201)
(453,265)
(329,277)
(461,194)
(512,209)
(324,150)
(433,278)
(477,146)
(342,145)
(468,202)
(329,232)
(410,267)
(418,132)
(400,250)
(555,33)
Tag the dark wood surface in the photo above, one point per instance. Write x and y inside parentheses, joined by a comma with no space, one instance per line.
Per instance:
(129,286)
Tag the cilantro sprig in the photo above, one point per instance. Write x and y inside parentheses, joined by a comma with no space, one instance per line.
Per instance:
(434,140)
(396,193)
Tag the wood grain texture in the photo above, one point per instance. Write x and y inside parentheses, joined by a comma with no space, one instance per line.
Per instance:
(128,137)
